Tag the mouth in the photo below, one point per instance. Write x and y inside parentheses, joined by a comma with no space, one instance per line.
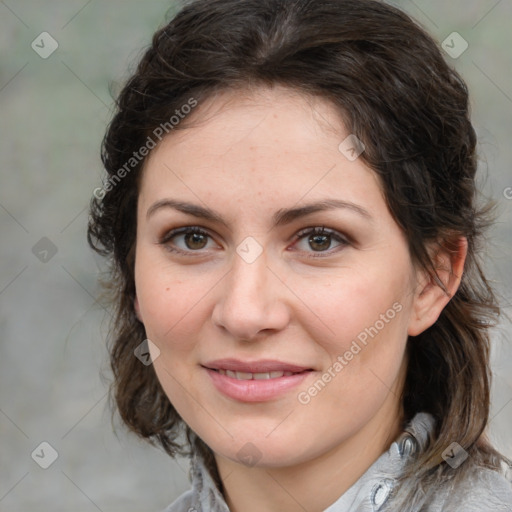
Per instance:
(255,381)
(258,367)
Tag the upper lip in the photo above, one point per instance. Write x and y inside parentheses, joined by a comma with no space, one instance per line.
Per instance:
(261,366)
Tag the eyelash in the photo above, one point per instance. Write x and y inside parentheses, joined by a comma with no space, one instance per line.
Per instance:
(299,236)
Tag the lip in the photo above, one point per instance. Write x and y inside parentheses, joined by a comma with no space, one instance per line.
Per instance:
(260,366)
(255,390)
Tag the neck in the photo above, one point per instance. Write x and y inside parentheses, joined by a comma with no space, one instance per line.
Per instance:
(292,488)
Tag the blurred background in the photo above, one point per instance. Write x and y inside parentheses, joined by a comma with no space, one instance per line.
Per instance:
(61,61)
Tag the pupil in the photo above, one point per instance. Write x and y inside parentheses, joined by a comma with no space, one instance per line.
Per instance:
(321,241)
(192,239)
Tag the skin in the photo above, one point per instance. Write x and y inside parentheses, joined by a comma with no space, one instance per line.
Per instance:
(247,155)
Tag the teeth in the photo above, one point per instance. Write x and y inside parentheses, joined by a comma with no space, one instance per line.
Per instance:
(254,376)
(243,376)
(263,376)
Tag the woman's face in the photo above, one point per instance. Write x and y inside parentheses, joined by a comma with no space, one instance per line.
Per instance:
(275,342)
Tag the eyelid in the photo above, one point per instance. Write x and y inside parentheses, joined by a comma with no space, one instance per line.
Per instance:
(319,230)
(183,230)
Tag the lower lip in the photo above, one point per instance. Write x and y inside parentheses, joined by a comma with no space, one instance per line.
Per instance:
(255,390)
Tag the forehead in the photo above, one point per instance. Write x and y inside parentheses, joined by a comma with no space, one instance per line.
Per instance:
(258,115)
(272,144)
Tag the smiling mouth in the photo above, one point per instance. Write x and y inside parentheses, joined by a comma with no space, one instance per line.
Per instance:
(255,381)
(255,376)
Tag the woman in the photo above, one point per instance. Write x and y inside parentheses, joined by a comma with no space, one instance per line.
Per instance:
(290,215)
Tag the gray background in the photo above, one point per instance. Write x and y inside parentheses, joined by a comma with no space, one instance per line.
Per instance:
(53,115)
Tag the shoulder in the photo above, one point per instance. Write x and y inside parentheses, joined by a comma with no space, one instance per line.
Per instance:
(481,491)
(182,504)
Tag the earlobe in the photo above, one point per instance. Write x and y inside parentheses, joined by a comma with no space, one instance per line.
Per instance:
(430,298)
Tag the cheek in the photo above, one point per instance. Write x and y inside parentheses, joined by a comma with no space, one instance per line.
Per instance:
(356,306)
(168,303)
(361,326)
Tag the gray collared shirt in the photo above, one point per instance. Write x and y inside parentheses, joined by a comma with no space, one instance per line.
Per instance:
(489,491)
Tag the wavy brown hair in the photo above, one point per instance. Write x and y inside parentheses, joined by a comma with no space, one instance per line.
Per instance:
(394,90)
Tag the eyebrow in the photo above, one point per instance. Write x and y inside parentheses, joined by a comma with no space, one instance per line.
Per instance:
(280,218)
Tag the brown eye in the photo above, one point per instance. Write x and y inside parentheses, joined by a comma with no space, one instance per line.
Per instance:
(186,240)
(195,240)
(320,240)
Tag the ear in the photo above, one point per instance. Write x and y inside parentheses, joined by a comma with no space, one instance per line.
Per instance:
(430,298)
(137,309)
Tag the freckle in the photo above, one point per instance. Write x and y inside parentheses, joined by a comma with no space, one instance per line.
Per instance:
(167,289)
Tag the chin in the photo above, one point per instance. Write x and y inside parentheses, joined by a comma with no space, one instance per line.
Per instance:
(262,451)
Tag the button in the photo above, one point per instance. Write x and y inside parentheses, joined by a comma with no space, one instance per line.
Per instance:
(380,493)
(407,445)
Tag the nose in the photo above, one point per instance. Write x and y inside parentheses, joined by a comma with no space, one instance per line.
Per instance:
(251,300)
